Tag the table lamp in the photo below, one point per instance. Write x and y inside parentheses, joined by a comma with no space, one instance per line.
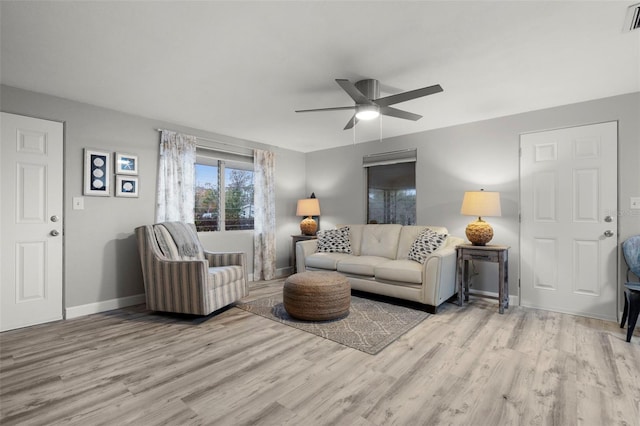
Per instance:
(480,203)
(308,207)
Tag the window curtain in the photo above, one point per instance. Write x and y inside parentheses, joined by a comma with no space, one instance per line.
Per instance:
(176,178)
(264,237)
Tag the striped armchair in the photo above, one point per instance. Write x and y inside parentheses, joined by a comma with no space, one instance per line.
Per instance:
(198,282)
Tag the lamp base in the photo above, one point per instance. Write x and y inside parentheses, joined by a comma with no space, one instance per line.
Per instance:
(308,226)
(479,232)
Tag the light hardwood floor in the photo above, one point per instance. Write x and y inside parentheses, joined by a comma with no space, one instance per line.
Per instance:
(464,366)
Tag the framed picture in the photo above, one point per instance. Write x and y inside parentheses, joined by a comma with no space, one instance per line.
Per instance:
(126,164)
(97,169)
(126,186)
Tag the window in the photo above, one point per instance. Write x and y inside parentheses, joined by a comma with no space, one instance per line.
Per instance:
(231,208)
(391,187)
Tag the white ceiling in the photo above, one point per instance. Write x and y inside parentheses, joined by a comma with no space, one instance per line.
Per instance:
(241,68)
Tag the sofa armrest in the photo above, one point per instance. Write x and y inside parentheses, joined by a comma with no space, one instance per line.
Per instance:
(304,249)
(439,276)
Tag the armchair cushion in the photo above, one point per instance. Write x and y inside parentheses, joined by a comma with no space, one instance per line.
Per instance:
(222,275)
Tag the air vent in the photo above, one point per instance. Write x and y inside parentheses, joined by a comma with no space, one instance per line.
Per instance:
(632,20)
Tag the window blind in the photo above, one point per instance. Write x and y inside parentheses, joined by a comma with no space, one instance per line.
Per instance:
(393,157)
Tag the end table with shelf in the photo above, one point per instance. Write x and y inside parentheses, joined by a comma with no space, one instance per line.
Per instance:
(489,253)
(294,240)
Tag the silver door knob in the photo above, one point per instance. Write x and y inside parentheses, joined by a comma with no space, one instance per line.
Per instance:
(54,218)
(608,233)
(608,219)
(54,233)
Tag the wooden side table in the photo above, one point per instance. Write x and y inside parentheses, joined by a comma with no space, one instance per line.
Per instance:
(489,253)
(295,239)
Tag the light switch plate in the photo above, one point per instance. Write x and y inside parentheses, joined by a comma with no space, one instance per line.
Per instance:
(78,203)
(634,204)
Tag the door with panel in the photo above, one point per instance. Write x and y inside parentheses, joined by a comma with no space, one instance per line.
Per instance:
(568,232)
(31,169)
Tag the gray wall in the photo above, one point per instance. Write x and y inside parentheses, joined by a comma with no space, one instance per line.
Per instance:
(472,156)
(101,259)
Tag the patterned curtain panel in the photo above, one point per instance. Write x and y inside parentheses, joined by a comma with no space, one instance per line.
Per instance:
(176,178)
(264,237)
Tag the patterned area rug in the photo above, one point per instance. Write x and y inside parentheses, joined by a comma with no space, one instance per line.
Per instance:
(370,326)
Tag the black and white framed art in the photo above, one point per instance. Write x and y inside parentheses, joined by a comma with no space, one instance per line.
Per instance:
(97,169)
(126,186)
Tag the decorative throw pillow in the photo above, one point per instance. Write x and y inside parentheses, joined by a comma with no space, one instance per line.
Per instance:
(427,242)
(334,241)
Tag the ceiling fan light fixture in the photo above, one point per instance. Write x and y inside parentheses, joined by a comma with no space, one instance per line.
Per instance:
(367,112)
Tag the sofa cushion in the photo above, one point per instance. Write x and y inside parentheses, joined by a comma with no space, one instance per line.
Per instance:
(334,241)
(327,261)
(380,240)
(408,235)
(360,265)
(427,242)
(402,270)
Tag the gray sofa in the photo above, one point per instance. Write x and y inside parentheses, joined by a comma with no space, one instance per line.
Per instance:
(379,263)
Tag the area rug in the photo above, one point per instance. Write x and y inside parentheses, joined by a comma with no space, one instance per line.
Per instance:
(370,326)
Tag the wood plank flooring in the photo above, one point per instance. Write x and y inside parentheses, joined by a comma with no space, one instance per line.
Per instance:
(464,366)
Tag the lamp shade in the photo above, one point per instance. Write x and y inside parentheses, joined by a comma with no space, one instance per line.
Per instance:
(308,207)
(481,203)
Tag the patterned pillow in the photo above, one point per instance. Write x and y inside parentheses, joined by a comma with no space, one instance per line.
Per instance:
(334,241)
(427,242)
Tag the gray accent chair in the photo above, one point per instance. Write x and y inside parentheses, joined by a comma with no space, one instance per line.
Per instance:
(631,252)
(199,284)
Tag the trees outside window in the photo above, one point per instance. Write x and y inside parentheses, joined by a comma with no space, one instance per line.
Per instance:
(238,199)
(231,208)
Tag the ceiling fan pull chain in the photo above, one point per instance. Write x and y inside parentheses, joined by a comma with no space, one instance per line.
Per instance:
(354,130)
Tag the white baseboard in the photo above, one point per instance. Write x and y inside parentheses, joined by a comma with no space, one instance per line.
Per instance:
(284,272)
(513,299)
(280,273)
(106,305)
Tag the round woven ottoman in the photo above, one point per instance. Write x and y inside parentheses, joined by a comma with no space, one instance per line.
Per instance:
(316,296)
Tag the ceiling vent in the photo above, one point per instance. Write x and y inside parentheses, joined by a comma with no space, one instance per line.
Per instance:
(632,20)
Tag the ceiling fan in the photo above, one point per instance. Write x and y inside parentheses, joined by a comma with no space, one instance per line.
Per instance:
(369,105)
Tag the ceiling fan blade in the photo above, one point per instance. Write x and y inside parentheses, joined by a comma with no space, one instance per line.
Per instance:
(327,109)
(353,91)
(407,96)
(354,120)
(398,113)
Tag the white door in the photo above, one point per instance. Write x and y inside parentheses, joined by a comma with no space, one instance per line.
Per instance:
(568,233)
(30,221)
